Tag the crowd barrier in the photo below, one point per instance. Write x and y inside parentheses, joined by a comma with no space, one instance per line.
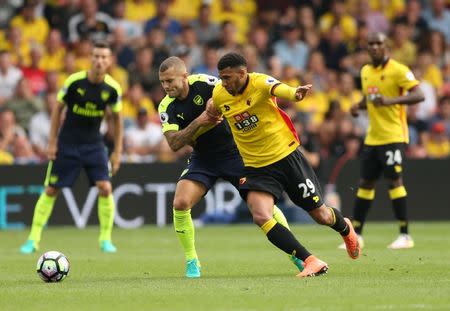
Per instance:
(144,192)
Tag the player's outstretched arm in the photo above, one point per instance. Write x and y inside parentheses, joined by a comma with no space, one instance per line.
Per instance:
(55,120)
(118,141)
(179,139)
(290,93)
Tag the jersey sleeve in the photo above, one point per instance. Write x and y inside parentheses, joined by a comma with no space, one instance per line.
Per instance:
(405,78)
(266,83)
(363,79)
(167,115)
(210,80)
(63,93)
(116,98)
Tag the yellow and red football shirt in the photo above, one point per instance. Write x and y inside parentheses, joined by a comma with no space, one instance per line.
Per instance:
(387,124)
(263,133)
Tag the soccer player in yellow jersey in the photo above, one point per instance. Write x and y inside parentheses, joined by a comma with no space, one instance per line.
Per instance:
(185,122)
(388,87)
(268,144)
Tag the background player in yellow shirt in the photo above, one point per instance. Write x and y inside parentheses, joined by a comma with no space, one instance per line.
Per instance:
(267,142)
(388,87)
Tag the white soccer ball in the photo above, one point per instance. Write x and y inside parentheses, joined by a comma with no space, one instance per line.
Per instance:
(52,266)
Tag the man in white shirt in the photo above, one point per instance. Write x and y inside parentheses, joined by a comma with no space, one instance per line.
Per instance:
(143,141)
(9,76)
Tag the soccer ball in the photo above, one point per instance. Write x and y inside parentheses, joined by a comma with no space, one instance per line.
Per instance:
(52,266)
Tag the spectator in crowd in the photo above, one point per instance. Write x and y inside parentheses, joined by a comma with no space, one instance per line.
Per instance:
(374,20)
(122,49)
(19,48)
(438,17)
(413,18)
(291,50)
(23,103)
(143,140)
(162,20)
(231,11)
(69,67)
(333,49)
(401,46)
(156,40)
(430,70)
(33,72)
(437,45)
(9,76)
(306,19)
(259,37)
(8,10)
(142,70)
(53,58)
(118,73)
(426,108)
(131,29)
(34,28)
(205,29)
(228,38)
(338,16)
(39,127)
(9,131)
(209,61)
(438,145)
(83,49)
(139,10)
(417,129)
(189,39)
(90,23)
(443,114)
(251,54)
(318,71)
(134,101)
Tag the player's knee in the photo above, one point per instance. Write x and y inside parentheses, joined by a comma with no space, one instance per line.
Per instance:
(261,217)
(104,188)
(367,184)
(51,192)
(182,203)
(394,183)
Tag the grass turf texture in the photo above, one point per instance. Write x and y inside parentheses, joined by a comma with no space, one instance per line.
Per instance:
(240,271)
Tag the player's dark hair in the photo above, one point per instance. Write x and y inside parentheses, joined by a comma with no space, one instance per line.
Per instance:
(101,44)
(231,60)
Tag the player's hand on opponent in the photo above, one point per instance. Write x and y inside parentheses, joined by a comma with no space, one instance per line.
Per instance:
(115,162)
(211,115)
(52,149)
(301,91)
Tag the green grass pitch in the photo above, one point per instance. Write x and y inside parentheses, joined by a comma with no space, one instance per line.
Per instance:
(241,270)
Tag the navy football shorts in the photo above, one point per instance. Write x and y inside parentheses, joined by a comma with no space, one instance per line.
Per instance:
(207,172)
(70,159)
